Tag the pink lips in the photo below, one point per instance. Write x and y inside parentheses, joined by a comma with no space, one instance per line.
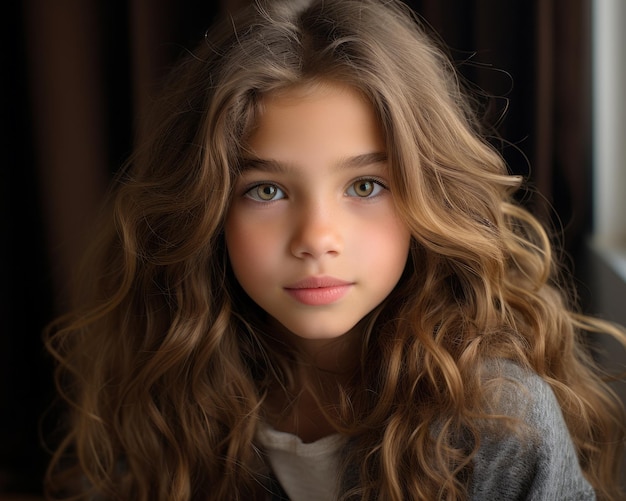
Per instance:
(318,291)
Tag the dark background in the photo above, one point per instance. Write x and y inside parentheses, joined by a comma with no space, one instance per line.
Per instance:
(77,75)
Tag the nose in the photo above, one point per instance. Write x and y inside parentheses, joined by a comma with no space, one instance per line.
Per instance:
(316,233)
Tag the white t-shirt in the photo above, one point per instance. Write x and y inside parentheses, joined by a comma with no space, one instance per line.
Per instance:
(306,471)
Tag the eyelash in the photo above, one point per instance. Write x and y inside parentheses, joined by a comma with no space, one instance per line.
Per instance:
(374,180)
(249,189)
(247,192)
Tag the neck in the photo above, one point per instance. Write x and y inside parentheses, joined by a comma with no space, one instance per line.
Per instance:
(337,356)
(310,408)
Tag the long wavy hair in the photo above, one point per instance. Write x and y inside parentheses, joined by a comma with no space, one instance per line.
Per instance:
(165,363)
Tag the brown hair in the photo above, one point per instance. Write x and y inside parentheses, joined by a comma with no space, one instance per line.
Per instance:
(165,364)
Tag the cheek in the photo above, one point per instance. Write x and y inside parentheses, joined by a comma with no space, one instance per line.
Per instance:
(388,252)
(388,242)
(249,248)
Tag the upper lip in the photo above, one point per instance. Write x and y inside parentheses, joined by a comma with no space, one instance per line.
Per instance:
(317,282)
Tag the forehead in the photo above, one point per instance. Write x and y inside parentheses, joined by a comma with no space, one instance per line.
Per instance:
(315,109)
(310,91)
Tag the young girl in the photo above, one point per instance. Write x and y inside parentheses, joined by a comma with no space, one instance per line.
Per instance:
(315,283)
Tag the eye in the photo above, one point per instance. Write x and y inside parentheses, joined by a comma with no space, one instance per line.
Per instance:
(365,188)
(265,192)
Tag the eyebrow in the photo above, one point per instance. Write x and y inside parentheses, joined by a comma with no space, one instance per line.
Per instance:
(271,165)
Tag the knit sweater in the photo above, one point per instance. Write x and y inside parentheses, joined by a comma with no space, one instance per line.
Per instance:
(542,467)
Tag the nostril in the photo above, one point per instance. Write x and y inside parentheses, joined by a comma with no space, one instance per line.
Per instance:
(316,240)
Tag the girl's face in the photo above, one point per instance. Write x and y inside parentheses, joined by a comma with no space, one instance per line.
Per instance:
(312,234)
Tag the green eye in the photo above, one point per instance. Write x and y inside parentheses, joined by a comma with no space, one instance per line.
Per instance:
(265,192)
(365,188)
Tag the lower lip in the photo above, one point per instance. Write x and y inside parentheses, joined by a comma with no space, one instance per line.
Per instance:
(319,296)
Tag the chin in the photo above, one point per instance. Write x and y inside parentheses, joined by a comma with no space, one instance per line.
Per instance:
(319,334)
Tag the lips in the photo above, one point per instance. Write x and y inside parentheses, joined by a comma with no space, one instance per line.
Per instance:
(319,291)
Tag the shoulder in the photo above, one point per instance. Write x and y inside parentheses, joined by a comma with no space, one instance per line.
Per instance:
(535,457)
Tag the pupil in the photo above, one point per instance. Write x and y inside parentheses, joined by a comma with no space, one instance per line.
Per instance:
(364,188)
(268,191)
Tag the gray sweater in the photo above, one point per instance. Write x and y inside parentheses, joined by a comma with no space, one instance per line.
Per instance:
(541,466)
(547,469)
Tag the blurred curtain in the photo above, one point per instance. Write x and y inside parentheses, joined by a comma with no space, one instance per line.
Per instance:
(83,71)
(534,55)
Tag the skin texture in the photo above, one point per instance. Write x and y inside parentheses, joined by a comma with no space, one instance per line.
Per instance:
(312,234)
